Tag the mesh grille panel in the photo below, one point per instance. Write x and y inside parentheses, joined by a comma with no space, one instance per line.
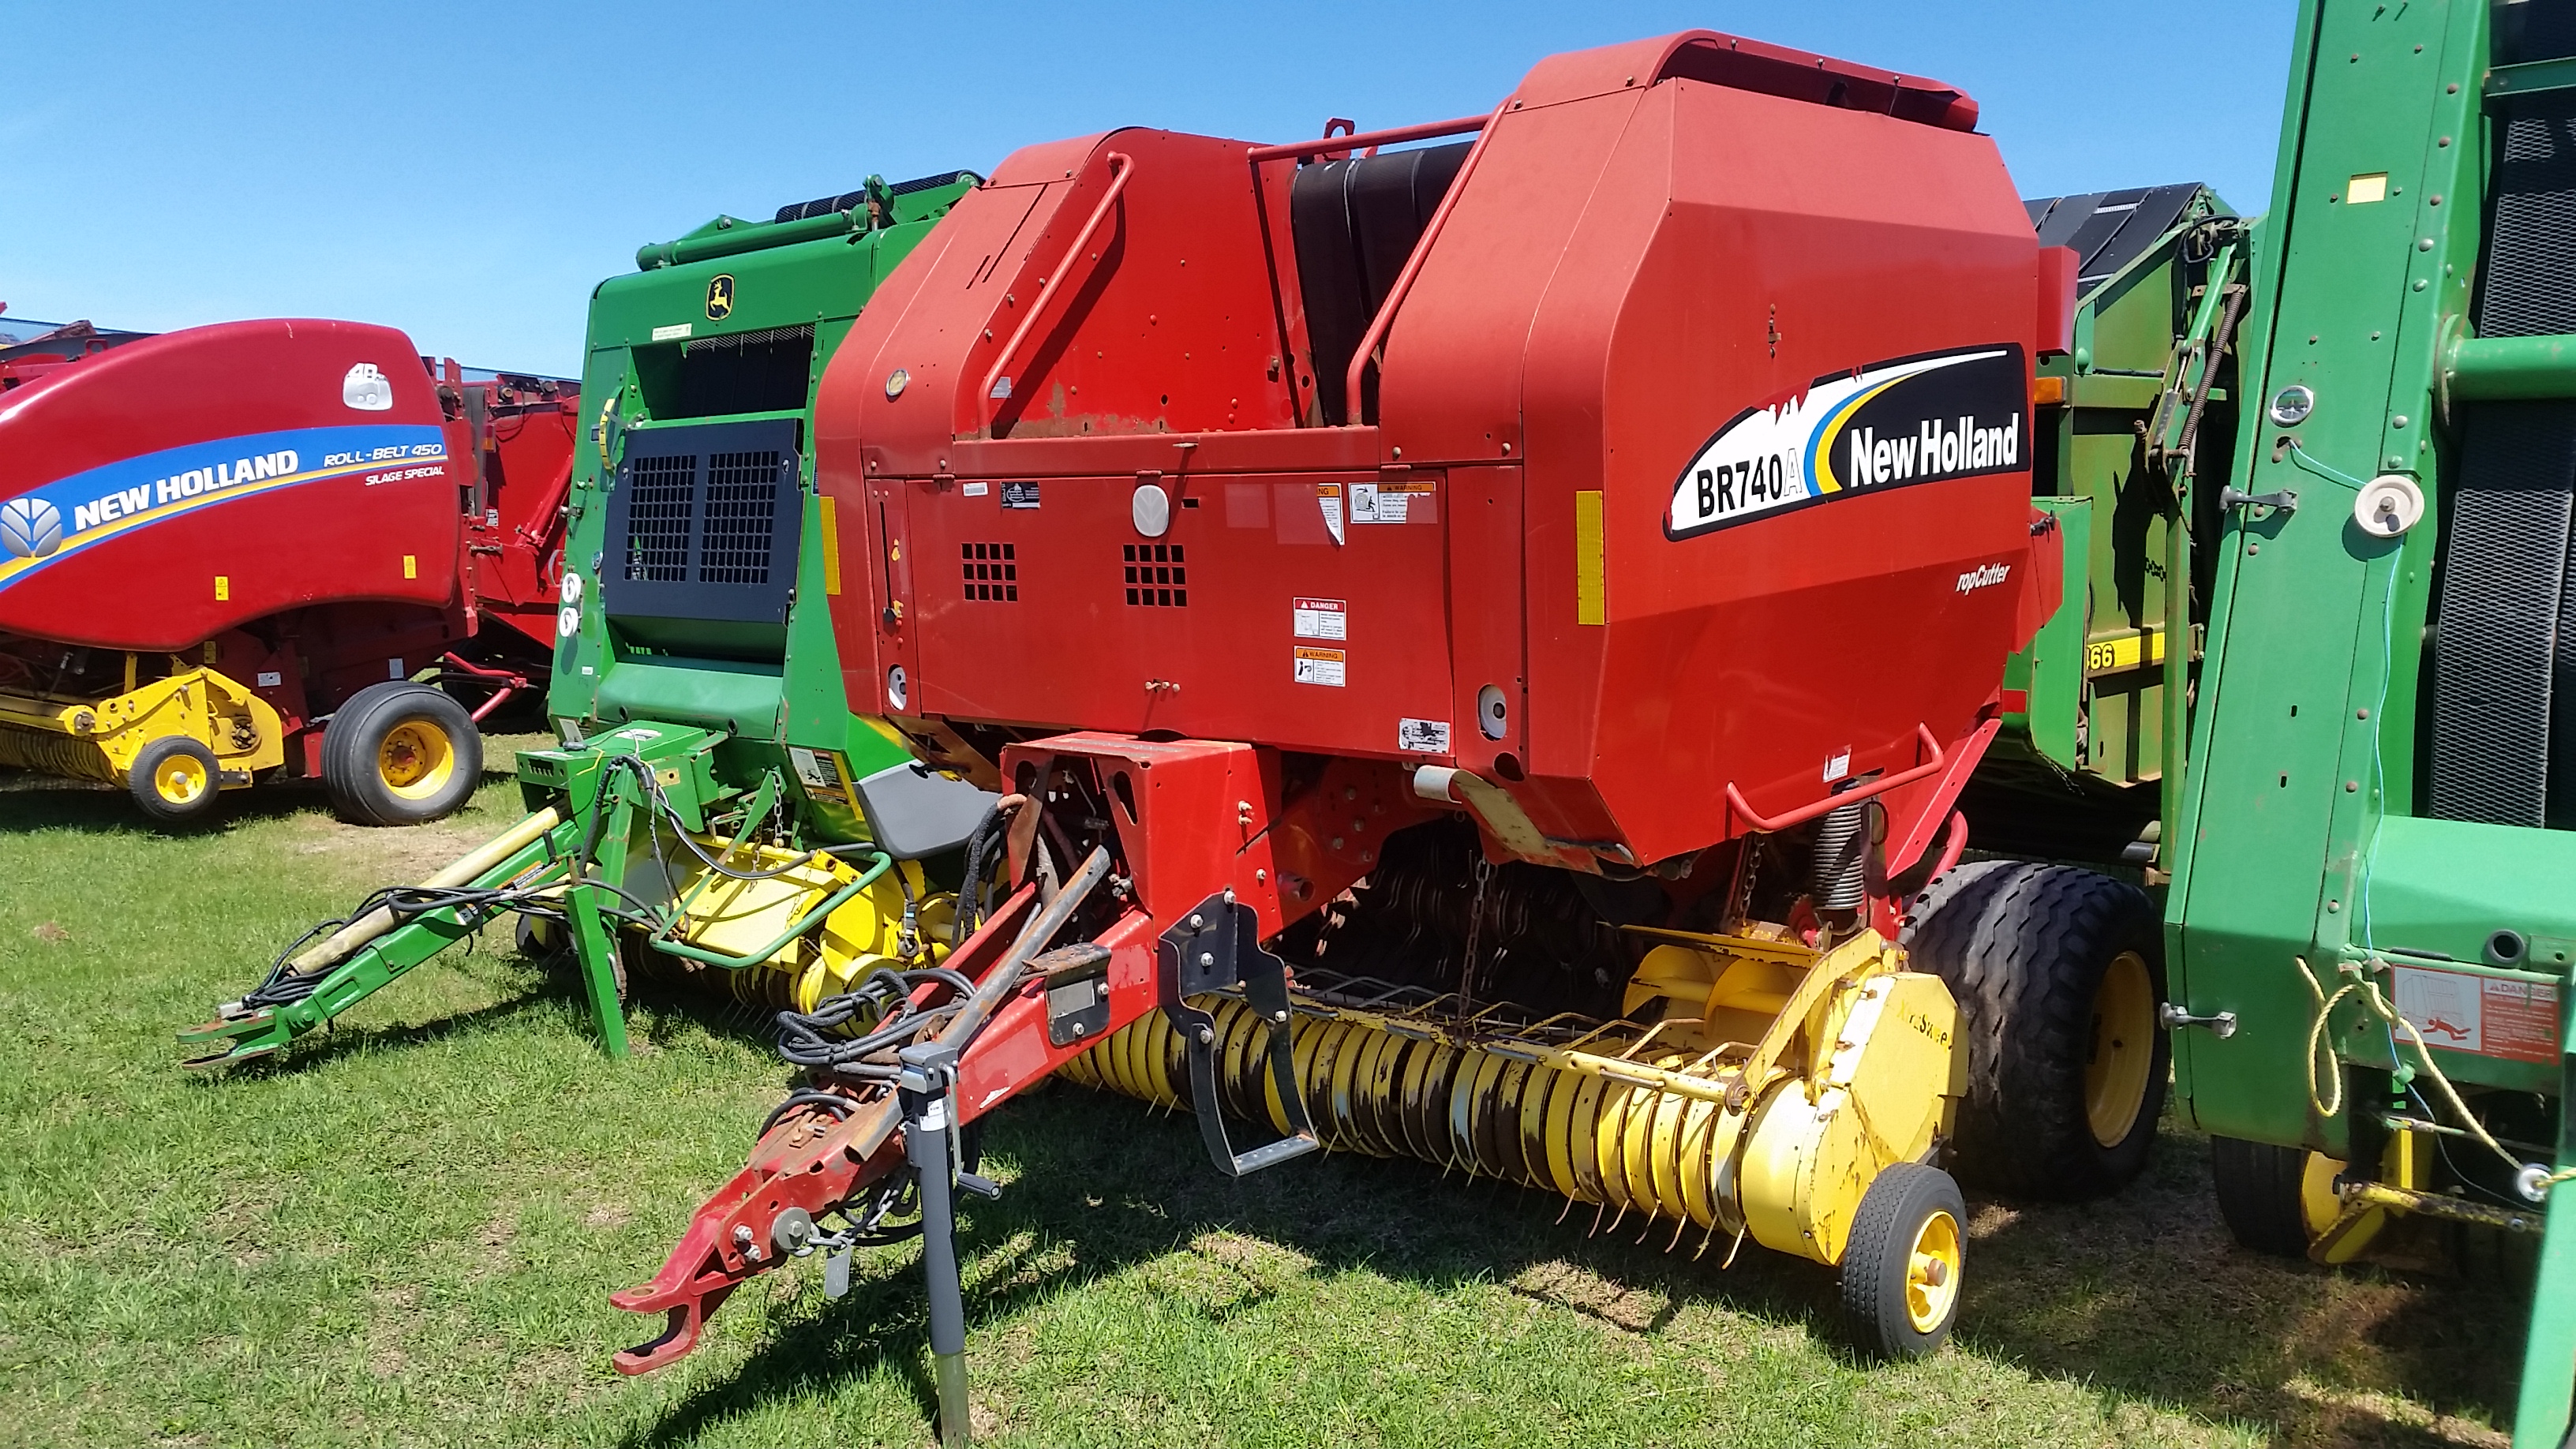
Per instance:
(741,509)
(1156,577)
(2502,748)
(2534,237)
(658,518)
(2498,631)
(992,572)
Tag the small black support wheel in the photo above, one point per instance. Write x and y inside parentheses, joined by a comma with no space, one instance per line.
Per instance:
(2058,973)
(174,780)
(2273,1199)
(400,754)
(537,938)
(1902,1264)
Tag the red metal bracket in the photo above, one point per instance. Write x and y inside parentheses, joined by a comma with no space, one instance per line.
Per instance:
(1120,169)
(1736,805)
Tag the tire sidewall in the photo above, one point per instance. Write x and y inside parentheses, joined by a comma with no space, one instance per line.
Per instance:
(1892,1215)
(147,798)
(2024,948)
(351,742)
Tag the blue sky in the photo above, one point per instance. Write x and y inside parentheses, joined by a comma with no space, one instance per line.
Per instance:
(469,173)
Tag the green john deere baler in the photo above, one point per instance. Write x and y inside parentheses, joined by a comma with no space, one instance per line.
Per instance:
(712,791)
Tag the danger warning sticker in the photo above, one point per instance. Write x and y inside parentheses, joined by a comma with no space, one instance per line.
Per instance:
(1319,666)
(2485,1015)
(1321,618)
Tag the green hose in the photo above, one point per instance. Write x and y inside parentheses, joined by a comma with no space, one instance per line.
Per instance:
(815,917)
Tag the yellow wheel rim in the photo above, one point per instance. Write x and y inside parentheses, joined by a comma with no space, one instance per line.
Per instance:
(2124,1049)
(416,760)
(1932,1273)
(180,780)
(2318,1203)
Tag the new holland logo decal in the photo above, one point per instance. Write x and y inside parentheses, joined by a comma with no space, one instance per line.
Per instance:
(1909,420)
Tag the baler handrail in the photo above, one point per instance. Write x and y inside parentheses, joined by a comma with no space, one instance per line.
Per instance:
(1772,824)
(1385,318)
(1121,167)
(1392,136)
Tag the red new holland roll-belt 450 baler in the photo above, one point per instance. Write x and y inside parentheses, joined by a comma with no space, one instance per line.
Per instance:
(239,552)
(1601,538)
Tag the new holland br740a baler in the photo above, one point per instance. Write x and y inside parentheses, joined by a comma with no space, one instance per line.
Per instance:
(1289,530)
(237,552)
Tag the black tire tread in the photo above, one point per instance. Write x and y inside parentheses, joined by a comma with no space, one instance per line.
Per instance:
(1878,1253)
(349,752)
(2259,1186)
(147,761)
(2022,947)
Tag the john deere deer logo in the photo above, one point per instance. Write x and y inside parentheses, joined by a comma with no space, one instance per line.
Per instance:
(719,298)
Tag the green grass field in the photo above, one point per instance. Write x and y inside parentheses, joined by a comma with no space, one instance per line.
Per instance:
(406,1233)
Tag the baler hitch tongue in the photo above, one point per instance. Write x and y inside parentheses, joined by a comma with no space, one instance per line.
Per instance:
(338,964)
(232,1039)
(859,1125)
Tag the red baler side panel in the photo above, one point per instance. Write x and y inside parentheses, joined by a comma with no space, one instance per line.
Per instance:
(516,547)
(295,461)
(1633,280)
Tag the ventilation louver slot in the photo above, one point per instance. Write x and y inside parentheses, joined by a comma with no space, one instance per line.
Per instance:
(992,572)
(1155,577)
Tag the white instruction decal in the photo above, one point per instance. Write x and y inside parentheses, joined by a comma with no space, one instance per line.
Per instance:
(1319,666)
(1422,736)
(975,490)
(1321,618)
(1328,497)
(1385,502)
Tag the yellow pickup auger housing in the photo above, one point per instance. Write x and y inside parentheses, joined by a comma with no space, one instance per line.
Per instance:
(173,742)
(1755,1087)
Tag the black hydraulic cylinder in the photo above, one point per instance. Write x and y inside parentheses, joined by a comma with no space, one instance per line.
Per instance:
(927,1071)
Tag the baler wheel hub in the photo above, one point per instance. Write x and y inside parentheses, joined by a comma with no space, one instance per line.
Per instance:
(2124,1049)
(181,780)
(1932,1273)
(416,759)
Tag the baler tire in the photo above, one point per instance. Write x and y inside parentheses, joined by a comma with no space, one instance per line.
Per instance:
(2032,953)
(161,766)
(2261,1190)
(1896,1304)
(398,721)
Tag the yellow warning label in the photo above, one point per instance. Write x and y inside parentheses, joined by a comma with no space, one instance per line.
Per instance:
(223,588)
(1319,666)
(411,566)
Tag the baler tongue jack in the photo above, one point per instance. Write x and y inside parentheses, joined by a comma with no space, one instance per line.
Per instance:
(825,1151)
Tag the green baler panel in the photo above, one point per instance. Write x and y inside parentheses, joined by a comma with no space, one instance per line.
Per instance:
(2305,736)
(779,693)
(2050,673)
